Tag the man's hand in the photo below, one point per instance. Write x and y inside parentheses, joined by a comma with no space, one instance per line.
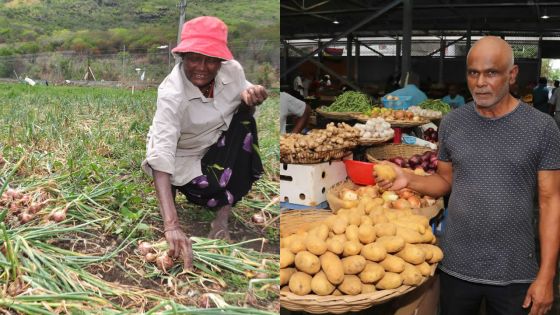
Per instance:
(179,246)
(400,181)
(254,95)
(539,297)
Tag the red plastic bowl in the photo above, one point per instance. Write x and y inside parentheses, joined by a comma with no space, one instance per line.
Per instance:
(360,173)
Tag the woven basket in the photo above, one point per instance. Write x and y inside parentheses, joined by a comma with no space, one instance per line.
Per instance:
(407,123)
(336,115)
(293,221)
(388,151)
(312,157)
(335,203)
(373,141)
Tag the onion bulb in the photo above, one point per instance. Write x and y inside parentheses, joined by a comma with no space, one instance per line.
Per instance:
(25,217)
(414,201)
(164,262)
(144,248)
(401,204)
(258,218)
(151,257)
(389,196)
(35,207)
(58,216)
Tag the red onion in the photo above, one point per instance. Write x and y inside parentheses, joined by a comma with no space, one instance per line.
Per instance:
(58,216)
(151,257)
(144,248)
(25,217)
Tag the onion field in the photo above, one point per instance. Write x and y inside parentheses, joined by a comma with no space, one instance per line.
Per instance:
(75,205)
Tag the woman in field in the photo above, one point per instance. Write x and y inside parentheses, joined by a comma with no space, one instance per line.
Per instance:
(203,138)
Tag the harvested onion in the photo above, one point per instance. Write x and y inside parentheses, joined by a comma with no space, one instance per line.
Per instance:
(144,248)
(58,216)
(164,262)
(25,217)
(258,218)
(150,257)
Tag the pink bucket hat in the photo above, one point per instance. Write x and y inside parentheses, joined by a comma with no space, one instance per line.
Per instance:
(205,35)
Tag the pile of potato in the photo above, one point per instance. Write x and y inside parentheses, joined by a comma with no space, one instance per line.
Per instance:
(359,250)
(333,137)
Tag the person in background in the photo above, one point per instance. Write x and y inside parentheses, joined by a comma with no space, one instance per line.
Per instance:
(554,103)
(203,138)
(293,104)
(556,84)
(453,99)
(540,96)
(298,84)
(410,88)
(495,156)
(326,81)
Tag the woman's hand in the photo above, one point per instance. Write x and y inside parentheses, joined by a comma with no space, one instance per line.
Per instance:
(400,182)
(179,246)
(254,95)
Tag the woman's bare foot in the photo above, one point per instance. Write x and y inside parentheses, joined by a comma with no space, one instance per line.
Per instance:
(219,227)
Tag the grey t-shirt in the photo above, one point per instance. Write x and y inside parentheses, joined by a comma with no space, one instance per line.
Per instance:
(489,235)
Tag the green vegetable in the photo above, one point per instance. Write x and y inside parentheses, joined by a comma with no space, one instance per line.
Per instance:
(438,104)
(350,101)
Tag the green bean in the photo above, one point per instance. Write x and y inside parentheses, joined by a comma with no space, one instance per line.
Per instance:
(350,101)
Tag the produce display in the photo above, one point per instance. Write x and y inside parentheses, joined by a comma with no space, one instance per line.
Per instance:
(392,115)
(429,113)
(375,128)
(338,136)
(359,250)
(401,199)
(350,101)
(426,162)
(437,105)
(431,135)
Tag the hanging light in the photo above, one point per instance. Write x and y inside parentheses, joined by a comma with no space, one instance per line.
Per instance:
(545,16)
(336,22)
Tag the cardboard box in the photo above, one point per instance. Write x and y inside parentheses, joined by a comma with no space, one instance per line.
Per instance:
(307,184)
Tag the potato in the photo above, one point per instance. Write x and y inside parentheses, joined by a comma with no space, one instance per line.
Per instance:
(285,242)
(409,235)
(411,275)
(339,237)
(368,288)
(285,289)
(428,237)
(428,253)
(321,231)
(300,283)
(392,244)
(424,269)
(307,262)
(297,244)
(335,246)
(371,273)
(353,265)
(392,215)
(374,251)
(351,232)
(351,248)
(366,234)
(355,216)
(315,245)
(333,267)
(373,204)
(389,281)
(437,254)
(385,172)
(339,226)
(286,274)
(379,218)
(337,293)
(366,220)
(411,225)
(412,254)
(385,229)
(286,257)
(391,263)
(422,220)
(330,220)
(351,285)
(320,285)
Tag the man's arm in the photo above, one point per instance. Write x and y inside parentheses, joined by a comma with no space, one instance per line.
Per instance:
(436,185)
(540,293)
(302,121)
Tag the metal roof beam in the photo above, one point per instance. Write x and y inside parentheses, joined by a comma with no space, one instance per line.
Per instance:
(348,31)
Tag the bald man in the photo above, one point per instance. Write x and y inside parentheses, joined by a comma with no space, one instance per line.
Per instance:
(496,155)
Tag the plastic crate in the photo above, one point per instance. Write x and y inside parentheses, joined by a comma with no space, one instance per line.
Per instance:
(403,102)
(307,184)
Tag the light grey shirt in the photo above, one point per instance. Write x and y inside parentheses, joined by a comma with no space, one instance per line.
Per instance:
(289,105)
(186,123)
